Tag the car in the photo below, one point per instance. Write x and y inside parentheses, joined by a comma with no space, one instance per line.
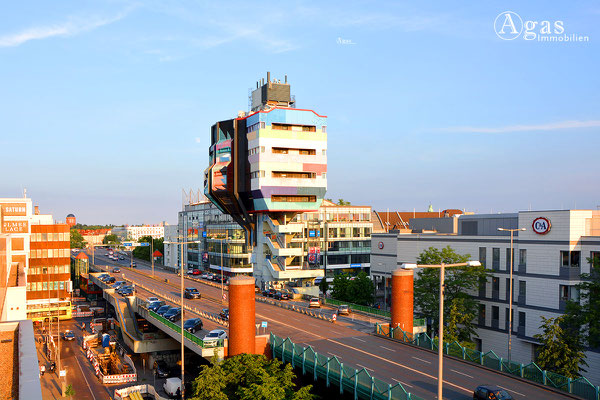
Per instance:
(116,270)
(314,302)
(210,276)
(343,310)
(204,275)
(118,285)
(152,299)
(133,265)
(154,306)
(285,295)
(174,314)
(196,272)
(161,369)
(491,392)
(277,295)
(124,288)
(163,309)
(103,277)
(68,335)
(192,293)
(192,325)
(128,292)
(190,271)
(214,336)
(121,258)
(111,279)
(225,314)
(271,292)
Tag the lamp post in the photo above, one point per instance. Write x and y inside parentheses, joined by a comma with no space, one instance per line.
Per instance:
(152,253)
(442,268)
(181,243)
(510,300)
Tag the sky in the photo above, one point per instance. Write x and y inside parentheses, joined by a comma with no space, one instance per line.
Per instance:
(106,106)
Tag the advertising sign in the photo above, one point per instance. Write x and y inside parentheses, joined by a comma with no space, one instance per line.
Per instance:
(205,256)
(541,225)
(311,234)
(14,209)
(15,227)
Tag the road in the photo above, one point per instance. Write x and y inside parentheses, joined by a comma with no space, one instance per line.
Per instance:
(414,368)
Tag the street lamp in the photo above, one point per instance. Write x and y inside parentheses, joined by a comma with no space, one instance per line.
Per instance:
(510,313)
(442,268)
(181,243)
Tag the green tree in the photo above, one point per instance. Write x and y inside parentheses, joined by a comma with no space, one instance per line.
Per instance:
(582,317)
(248,377)
(458,324)
(324,285)
(559,352)
(69,391)
(459,282)
(143,252)
(111,239)
(361,290)
(342,202)
(77,241)
(340,287)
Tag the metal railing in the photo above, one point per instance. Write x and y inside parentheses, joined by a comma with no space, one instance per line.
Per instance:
(370,310)
(357,382)
(580,387)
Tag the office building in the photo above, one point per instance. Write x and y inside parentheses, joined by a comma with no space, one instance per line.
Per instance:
(548,258)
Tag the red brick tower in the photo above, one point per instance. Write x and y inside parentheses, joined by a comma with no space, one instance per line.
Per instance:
(241,316)
(402,299)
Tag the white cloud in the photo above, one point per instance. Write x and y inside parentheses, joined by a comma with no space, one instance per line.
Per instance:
(526,128)
(199,140)
(71,27)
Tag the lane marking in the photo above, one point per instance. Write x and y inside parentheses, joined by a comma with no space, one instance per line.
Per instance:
(369,354)
(360,340)
(462,373)
(86,381)
(383,347)
(335,355)
(420,359)
(402,383)
(367,368)
(512,391)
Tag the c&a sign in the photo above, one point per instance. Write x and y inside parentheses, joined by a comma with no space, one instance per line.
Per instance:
(541,225)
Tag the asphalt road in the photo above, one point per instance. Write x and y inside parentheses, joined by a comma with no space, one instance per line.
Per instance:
(414,368)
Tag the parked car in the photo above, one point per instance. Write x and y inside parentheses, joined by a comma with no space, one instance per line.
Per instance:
(314,302)
(111,279)
(163,309)
(161,369)
(129,291)
(225,314)
(192,325)
(190,271)
(174,314)
(68,335)
(271,292)
(155,305)
(490,392)
(196,272)
(204,275)
(152,299)
(118,285)
(123,288)
(103,277)
(343,310)
(278,295)
(116,270)
(191,293)
(214,336)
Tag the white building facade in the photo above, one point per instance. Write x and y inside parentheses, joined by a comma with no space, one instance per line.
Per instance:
(131,232)
(548,258)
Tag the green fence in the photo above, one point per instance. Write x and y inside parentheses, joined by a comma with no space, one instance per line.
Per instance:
(358,307)
(331,370)
(580,387)
(177,328)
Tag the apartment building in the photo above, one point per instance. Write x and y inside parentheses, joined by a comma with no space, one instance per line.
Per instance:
(135,232)
(548,258)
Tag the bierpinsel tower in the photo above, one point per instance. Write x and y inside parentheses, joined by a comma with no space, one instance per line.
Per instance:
(265,167)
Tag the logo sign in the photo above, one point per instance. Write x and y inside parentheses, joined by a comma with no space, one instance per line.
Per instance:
(508,25)
(380,245)
(15,227)
(14,209)
(541,225)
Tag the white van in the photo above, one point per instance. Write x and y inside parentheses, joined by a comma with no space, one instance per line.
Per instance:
(172,387)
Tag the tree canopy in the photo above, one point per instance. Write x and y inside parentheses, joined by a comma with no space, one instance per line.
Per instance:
(111,239)
(77,241)
(559,353)
(143,252)
(359,289)
(248,377)
(460,307)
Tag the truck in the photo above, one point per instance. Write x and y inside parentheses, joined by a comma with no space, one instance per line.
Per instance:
(172,387)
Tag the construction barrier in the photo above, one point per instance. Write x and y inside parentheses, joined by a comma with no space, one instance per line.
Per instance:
(82,314)
(121,394)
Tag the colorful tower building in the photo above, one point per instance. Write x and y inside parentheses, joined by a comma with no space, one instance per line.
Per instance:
(266,167)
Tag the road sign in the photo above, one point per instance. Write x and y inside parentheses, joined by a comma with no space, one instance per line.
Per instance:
(127,244)
(263,324)
(63,372)
(224,296)
(334,317)
(144,244)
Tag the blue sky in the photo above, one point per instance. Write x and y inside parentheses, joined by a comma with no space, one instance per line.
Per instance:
(106,106)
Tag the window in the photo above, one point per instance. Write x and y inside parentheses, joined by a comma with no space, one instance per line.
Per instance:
(575,258)
(496,284)
(570,258)
(295,175)
(482,255)
(495,258)
(262,125)
(594,258)
(522,288)
(568,293)
(522,257)
(482,314)
(495,313)
(324,128)
(521,319)
(294,199)
(324,152)
(279,150)
(564,258)
(508,259)
(324,175)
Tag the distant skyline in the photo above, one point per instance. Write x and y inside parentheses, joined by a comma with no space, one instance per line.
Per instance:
(107,105)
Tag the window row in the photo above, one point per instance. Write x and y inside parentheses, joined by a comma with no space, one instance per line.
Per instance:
(256,126)
(288,127)
(302,152)
(256,150)
(48,253)
(50,237)
(52,269)
(293,199)
(41,286)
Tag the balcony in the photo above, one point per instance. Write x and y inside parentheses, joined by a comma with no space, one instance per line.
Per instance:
(495,323)
(570,272)
(278,251)
(521,330)
(521,299)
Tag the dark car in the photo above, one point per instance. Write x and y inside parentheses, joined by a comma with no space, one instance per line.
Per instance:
(128,292)
(193,325)
(68,335)
(124,288)
(191,293)
(116,270)
(490,392)
(163,309)
(271,292)
(161,369)
(279,295)
(174,314)
(225,314)
(111,279)
(155,305)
